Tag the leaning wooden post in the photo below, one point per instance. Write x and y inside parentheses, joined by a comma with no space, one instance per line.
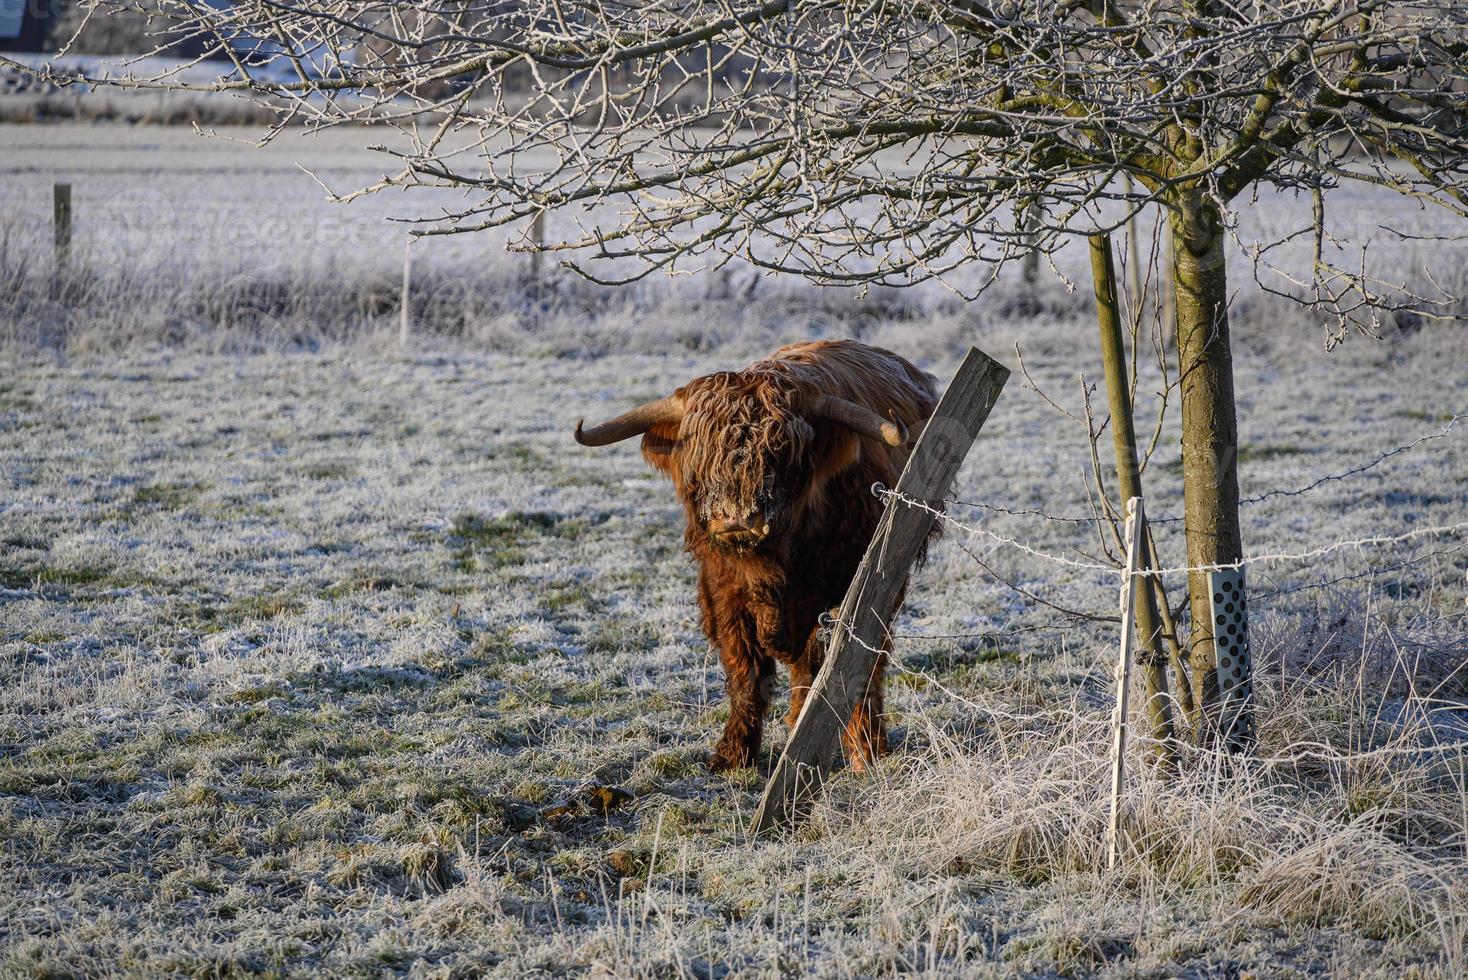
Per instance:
(1135,519)
(860,633)
(1129,479)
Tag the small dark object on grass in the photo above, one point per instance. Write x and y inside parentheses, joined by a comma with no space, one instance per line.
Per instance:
(595,799)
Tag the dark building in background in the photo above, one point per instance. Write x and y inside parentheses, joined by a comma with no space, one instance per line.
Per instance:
(25,25)
(43,26)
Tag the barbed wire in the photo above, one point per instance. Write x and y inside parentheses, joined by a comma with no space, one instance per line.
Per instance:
(1371,540)
(983,635)
(882,491)
(1301,751)
(1345,474)
(1356,576)
(1246,501)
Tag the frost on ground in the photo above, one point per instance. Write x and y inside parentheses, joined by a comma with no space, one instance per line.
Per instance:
(352,661)
(328,658)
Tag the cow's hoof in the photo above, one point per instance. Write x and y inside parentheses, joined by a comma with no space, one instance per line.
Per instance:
(722,761)
(866,757)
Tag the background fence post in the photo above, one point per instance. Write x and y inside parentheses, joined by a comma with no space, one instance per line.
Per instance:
(1030,221)
(61,219)
(1133,261)
(405,304)
(1167,289)
(537,238)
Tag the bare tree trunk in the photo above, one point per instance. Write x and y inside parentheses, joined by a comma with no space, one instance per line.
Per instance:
(1210,434)
(1129,481)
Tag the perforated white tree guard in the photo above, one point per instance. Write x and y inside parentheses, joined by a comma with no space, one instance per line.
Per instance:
(1231,645)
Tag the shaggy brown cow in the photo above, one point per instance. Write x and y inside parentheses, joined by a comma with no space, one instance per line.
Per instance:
(774,465)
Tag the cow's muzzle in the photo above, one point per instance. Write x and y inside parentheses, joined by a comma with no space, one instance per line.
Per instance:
(741,531)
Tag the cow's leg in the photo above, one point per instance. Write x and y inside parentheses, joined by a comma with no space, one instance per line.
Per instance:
(865,737)
(803,670)
(748,677)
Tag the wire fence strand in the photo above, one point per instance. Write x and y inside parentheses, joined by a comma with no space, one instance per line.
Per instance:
(1246,501)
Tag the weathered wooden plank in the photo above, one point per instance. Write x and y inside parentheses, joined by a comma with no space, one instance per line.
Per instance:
(1136,520)
(871,600)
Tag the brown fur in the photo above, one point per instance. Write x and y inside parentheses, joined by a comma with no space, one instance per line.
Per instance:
(742,442)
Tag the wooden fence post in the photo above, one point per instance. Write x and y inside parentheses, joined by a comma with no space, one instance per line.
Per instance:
(1167,289)
(1135,519)
(1030,221)
(871,600)
(1133,261)
(61,219)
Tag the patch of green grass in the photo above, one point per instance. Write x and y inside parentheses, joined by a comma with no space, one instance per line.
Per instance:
(487,543)
(526,456)
(562,597)
(267,605)
(329,471)
(1069,952)
(161,497)
(366,680)
(370,580)
(15,399)
(72,765)
(1250,453)
(617,635)
(23,577)
(254,695)
(678,764)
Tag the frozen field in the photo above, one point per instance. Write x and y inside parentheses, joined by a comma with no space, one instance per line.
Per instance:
(331,657)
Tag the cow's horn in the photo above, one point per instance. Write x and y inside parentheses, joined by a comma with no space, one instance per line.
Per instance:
(629,424)
(859,418)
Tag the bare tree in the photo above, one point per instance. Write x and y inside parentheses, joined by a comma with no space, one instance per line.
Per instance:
(891,142)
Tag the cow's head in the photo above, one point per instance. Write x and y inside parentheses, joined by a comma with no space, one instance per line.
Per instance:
(745,449)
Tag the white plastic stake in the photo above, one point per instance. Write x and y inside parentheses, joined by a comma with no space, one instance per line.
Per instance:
(1135,522)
